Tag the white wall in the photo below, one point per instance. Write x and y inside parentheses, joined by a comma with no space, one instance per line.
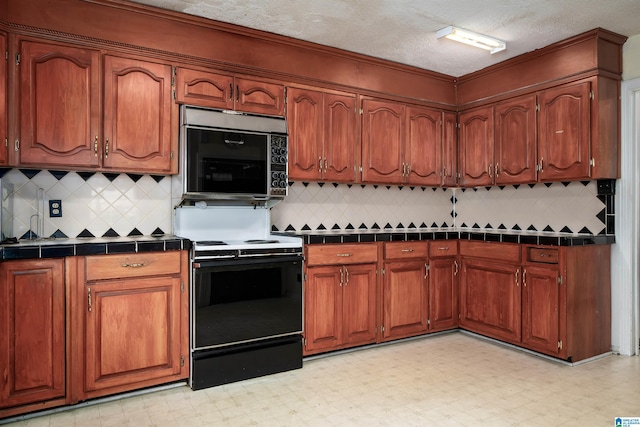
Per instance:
(631,58)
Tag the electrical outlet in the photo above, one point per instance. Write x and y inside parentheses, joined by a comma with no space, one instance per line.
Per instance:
(55,208)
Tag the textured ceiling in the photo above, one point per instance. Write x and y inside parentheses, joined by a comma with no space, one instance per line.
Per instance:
(404,30)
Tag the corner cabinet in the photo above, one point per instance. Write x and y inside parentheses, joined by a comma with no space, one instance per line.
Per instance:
(32,334)
(62,111)
(323,132)
(407,144)
(132,317)
(490,296)
(444,270)
(228,92)
(340,296)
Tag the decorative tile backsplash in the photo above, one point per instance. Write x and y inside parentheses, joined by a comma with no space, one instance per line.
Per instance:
(93,204)
(102,204)
(573,207)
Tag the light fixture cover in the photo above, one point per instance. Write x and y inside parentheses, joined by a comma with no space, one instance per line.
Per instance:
(474,39)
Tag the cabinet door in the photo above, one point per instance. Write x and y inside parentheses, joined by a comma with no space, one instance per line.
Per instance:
(423,147)
(59,106)
(382,136)
(3,101)
(449,149)
(404,299)
(132,331)
(195,87)
(540,311)
(564,141)
(443,294)
(259,97)
(323,309)
(304,116)
(340,139)
(137,116)
(515,141)
(490,299)
(475,145)
(32,331)
(359,304)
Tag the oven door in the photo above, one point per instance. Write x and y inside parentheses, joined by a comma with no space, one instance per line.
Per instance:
(246,299)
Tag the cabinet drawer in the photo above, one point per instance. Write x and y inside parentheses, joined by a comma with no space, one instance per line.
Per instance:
(509,252)
(339,254)
(542,255)
(439,248)
(132,265)
(402,250)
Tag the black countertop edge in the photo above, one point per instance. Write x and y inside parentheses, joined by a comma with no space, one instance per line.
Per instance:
(58,248)
(531,239)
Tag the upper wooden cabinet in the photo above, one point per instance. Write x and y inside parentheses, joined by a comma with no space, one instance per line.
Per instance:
(137,116)
(65,122)
(515,141)
(475,147)
(406,144)
(3,102)
(322,135)
(564,149)
(228,92)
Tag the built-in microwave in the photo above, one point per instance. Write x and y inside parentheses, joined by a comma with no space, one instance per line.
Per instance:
(228,155)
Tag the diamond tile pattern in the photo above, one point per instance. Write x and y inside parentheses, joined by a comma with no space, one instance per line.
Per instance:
(126,203)
(91,202)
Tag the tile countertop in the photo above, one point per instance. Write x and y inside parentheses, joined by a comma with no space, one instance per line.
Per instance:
(522,237)
(57,248)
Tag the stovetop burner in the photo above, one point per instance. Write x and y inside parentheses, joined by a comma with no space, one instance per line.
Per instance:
(211,242)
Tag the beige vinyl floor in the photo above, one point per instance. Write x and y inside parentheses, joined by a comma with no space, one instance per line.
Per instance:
(453,379)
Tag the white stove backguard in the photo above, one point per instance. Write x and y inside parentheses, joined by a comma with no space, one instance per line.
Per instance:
(222,223)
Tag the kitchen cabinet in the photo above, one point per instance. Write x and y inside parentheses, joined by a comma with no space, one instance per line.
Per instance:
(566,300)
(497,143)
(133,314)
(564,151)
(65,124)
(404,292)
(406,144)
(490,296)
(322,135)
(32,333)
(382,139)
(3,101)
(229,92)
(443,285)
(475,147)
(340,299)
(514,160)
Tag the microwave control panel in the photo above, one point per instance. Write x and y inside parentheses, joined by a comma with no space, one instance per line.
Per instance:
(279,160)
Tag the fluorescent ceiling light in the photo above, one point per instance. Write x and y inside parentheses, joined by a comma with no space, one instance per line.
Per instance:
(471,38)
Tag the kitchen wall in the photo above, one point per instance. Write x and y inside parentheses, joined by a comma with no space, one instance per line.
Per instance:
(631,58)
(97,204)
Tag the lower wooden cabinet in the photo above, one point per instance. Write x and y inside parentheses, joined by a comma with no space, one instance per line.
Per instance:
(82,327)
(443,294)
(32,333)
(135,318)
(404,299)
(339,300)
(490,298)
(541,309)
(340,307)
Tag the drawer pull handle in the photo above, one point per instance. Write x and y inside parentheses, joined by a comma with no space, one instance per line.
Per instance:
(407,250)
(344,255)
(133,265)
(443,248)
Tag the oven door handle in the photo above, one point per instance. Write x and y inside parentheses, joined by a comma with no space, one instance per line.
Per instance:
(246,261)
